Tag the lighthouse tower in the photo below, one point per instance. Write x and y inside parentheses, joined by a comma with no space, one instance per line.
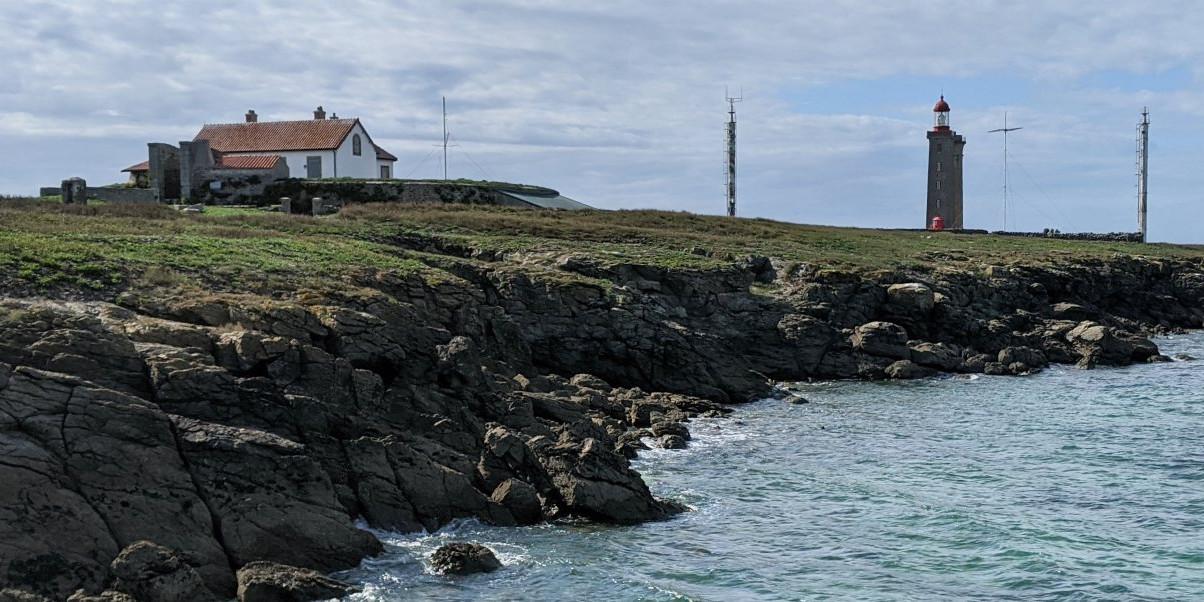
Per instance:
(944,170)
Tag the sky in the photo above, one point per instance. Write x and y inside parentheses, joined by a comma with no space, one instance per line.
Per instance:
(621,104)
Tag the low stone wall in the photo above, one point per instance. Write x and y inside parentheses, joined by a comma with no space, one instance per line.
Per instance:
(240,186)
(108,195)
(387,191)
(1100,236)
(122,195)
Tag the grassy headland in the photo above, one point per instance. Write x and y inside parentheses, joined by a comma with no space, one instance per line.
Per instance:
(101,249)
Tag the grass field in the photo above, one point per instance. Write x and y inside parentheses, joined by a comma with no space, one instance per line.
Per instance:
(45,245)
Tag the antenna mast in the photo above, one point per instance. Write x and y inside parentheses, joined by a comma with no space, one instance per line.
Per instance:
(444,137)
(1143,168)
(731,150)
(1005,129)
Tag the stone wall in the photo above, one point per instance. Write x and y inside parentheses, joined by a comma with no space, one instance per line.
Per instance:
(164,171)
(109,195)
(302,191)
(122,195)
(387,191)
(238,186)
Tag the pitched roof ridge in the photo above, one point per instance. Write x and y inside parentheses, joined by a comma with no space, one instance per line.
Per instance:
(254,123)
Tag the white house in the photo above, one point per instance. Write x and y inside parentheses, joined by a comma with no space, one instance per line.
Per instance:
(315,148)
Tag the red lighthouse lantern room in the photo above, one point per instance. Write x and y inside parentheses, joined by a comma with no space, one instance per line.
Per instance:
(942,115)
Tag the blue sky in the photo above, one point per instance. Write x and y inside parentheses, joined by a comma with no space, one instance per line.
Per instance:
(620,104)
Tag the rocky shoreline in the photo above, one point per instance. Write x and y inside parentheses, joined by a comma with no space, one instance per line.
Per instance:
(226,432)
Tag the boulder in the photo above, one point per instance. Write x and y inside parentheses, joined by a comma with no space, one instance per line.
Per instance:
(665,427)
(1099,344)
(464,559)
(150,572)
(907,369)
(273,582)
(520,499)
(1029,359)
(882,339)
(11,594)
(912,299)
(938,356)
(671,442)
(596,482)
(808,337)
(1073,311)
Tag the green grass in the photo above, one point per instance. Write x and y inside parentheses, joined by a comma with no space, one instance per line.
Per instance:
(104,249)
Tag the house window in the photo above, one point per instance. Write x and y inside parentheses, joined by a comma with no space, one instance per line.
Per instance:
(938,184)
(356,147)
(938,147)
(384,172)
(938,165)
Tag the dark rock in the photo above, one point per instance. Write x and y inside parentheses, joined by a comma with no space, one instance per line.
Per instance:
(272,582)
(938,356)
(10,594)
(906,369)
(995,369)
(590,381)
(809,338)
(520,499)
(882,339)
(1103,344)
(596,482)
(464,559)
(270,500)
(1029,359)
(660,429)
(106,596)
(152,573)
(1073,312)
(672,442)
(913,299)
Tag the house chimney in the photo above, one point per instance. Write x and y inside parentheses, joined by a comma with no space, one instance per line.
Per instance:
(334,115)
(251,116)
(319,114)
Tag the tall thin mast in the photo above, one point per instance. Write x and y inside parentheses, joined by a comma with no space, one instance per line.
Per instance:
(444,137)
(731,151)
(1005,129)
(1143,169)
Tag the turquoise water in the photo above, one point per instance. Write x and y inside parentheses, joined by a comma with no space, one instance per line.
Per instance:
(1068,485)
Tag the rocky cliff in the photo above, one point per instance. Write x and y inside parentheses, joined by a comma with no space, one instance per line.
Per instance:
(230,428)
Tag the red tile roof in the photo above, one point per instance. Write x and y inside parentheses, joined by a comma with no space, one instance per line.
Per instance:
(143,166)
(247,162)
(311,134)
(382,154)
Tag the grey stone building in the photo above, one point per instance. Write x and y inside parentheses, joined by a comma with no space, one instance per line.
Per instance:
(945,148)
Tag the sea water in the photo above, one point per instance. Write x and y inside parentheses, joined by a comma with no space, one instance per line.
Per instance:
(1066,485)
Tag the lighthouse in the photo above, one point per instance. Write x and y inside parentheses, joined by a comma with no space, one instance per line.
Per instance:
(944,170)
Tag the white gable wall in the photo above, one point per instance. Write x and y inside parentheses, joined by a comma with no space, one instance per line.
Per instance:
(351,166)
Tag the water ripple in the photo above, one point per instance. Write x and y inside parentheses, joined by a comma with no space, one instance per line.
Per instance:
(1068,485)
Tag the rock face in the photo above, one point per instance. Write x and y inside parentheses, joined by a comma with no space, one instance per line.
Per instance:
(464,559)
(230,429)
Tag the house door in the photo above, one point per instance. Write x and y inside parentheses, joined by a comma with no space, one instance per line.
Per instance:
(313,167)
